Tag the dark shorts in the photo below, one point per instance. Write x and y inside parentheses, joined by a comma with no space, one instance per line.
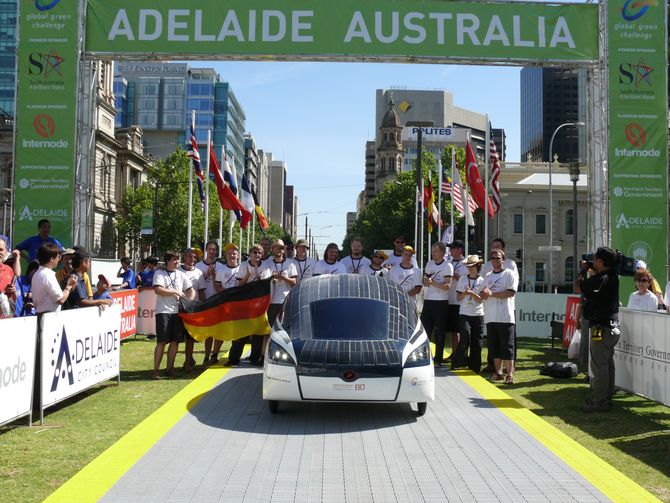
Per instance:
(169,328)
(453,311)
(501,340)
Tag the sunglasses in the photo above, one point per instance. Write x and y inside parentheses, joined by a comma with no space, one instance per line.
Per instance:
(496,258)
(642,280)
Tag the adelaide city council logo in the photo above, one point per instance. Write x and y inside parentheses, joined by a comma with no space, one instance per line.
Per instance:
(44,125)
(43,5)
(622,222)
(636,135)
(635,9)
(26,214)
(62,363)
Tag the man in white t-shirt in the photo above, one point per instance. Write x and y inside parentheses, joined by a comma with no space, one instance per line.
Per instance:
(407,276)
(436,284)
(399,244)
(209,266)
(330,264)
(227,277)
(170,285)
(356,261)
(453,310)
(303,263)
(47,294)
(194,275)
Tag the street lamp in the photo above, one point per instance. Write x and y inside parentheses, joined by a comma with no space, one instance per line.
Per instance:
(523,238)
(551,197)
(574,178)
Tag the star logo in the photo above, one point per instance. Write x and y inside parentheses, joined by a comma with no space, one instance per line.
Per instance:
(24,183)
(618,191)
(642,73)
(53,61)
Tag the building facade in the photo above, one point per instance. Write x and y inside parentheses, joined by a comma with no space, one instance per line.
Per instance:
(276,191)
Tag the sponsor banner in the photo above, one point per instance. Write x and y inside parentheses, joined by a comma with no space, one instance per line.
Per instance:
(534,313)
(129,301)
(642,356)
(638,176)
(399,30)
(18,339)
(46,116)
(80,348)
(446,134)
(146,314)
(570,320)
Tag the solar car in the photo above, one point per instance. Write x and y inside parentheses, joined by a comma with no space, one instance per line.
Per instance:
(348,338)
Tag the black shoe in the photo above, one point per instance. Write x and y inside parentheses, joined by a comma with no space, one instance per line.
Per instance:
(231,363)
(213,359)
(151,337)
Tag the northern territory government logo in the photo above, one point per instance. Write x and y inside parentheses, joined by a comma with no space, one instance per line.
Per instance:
(635,9)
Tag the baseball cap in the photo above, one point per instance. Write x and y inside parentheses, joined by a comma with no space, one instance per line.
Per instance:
(640,264)
(105,279)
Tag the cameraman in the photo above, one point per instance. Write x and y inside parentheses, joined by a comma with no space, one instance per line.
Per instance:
(600,304)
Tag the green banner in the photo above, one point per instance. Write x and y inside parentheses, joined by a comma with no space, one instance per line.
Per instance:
(46,117)
(405,30)
(638,160)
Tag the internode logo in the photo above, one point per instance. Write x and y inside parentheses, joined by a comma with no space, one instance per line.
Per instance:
(636,135)
(43,5)
(44,125)
(635,9)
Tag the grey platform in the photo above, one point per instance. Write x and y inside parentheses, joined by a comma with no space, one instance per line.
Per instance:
(229,448)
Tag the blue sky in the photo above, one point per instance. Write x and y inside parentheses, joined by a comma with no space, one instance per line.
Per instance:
(318,116)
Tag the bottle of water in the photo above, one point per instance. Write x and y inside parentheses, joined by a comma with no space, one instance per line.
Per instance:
(5,308)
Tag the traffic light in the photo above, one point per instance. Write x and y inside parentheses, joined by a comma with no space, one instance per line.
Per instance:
(519,253)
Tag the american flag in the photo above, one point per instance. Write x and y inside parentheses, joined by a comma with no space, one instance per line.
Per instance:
(456,197)
(194,155)
(495,177)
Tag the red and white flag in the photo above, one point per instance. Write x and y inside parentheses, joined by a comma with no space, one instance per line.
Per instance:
(495,177)
(454,186)
(475,180)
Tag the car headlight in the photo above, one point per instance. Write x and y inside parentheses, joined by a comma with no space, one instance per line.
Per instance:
(419,357)
(279,356)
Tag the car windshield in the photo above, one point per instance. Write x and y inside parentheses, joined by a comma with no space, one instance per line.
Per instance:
(349,318)
(358,301)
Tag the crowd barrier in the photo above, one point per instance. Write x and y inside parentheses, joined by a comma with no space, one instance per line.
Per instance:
(535,312)
(50,358)
(128,300)
(146,314)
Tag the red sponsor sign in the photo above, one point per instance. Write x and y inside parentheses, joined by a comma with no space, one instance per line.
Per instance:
(570,319)
(128,300)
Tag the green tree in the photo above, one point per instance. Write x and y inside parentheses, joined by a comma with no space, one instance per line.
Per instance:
(166,192)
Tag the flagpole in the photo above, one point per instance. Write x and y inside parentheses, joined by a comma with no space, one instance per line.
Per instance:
(416,210)
(486,186)
(221,209)
(439,196)
(190,193)
(453,167)
(209,139)
(239,192)
(466,207)
(423,195)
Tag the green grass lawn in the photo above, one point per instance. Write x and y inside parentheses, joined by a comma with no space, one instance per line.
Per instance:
(634,437)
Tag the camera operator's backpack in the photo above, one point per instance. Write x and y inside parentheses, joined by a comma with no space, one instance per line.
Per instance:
(559,369)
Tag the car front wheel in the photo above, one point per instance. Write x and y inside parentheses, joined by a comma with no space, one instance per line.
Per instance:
(421,408)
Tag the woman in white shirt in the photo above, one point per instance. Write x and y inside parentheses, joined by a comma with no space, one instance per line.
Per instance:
(643,299)
(471,316)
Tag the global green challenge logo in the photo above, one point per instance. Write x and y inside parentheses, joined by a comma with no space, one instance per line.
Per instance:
(635,9)
(44,5)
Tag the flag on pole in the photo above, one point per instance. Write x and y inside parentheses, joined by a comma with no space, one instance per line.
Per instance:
(262,221)
(228,200)
(432,212)
(230,177)
(448,235)
(246,198)
(454,187)
(495,177)
(475,180)
(194,155)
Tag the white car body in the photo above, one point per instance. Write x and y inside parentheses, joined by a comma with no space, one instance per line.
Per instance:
(302,366)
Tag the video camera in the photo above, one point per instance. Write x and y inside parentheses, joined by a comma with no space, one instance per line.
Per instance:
(623,266)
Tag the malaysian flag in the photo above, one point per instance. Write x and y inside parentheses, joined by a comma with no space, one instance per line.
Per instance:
(495,177)
(194,155)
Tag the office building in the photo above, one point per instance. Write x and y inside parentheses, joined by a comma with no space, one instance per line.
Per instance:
(550,97)
(159,98)
(276,191)
(8,40)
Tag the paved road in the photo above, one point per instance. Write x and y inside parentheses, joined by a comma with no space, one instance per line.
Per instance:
(229,448)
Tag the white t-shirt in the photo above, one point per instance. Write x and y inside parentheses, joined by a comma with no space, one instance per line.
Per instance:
(46,291)
(508,263)
(355,265)
(304,267)
(175,280)
(257,272)
(195,277)
(207,284)
(499,310)
(469,306)
(323,267)
(646,302)
(407,279)
(383,272)
(438,273)
(459,270)
(280,289)
(666,299)
(394,260)
(228,276)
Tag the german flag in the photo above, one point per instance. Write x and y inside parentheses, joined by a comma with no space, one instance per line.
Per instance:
(232,314)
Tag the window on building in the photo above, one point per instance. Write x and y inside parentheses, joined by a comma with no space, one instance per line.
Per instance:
(569,222)
(518,223)
(569,269)
(539,271)
(540,224)
(391,164)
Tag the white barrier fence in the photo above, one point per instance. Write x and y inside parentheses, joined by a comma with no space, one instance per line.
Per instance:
(642,356)
(80,348)
(534,312)
(146,315)
(18,339)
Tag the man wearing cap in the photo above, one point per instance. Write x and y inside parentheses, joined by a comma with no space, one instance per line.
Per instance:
(406,275)
(81,263)
(194,275)
(329,264)
(453,310)
(303,263)
(354,262)
(375,267)
(399,243)
(436,281)
(102,288)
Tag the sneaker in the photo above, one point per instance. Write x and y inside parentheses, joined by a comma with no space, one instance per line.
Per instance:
(496,378)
